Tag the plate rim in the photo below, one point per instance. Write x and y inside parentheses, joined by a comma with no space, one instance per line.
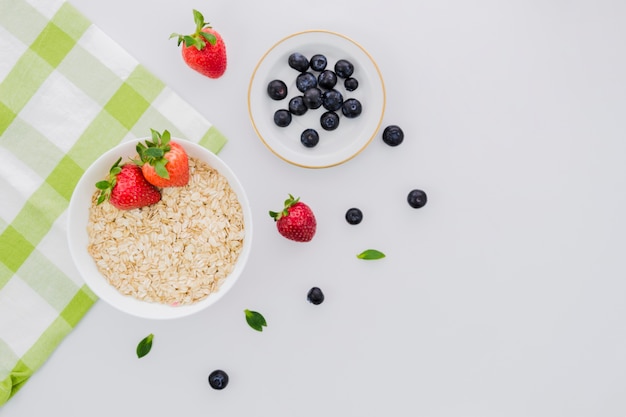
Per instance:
(305,32)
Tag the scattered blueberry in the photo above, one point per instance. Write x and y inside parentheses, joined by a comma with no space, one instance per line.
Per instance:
(351,84)
(298,62)
(332,100)
(282,118)
(344,68)
(329,120)
(354,216)
(351,108)
(318,62)
(417,198)
(297,106)
(313,98)
(277,89)
(305,80)
(393,135)
(309,138)
(218,379)
(315,296)
(327,79)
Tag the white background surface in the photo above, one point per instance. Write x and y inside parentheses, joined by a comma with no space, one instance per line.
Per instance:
(504,296)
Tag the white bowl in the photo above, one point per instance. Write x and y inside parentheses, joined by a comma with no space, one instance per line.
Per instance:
(78,216)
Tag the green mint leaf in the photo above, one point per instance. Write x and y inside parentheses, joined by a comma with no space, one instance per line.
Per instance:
(371,254)
(143,348)
(255,320)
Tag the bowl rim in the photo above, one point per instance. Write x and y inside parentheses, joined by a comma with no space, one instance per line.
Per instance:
(76,229)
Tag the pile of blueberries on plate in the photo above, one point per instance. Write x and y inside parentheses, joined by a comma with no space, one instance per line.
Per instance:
(317,84)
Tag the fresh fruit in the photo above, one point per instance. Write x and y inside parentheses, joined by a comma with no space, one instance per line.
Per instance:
(309,138)
(417,198)
(315,296)
(351,108)
(354,216)
(282,117)
(351,84)
(218,379)
(296,221)
(277,89)
(164,163)
(204,50)
(313,98)
(297,106)
(393,135)
(329,120)
(332,100)
(344,68)
(305,80)
(298,62)
(318,62)
(126,188)
(327,79)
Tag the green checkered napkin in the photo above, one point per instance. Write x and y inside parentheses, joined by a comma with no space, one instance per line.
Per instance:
(68,93)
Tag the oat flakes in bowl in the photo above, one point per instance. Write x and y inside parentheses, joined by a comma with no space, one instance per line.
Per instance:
(170,259)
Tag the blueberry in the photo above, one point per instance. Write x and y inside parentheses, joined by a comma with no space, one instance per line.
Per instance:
(218,379)
(354,216)
(327,79)
(297,106)
(315,296)
(332,100)
(282,118)
(309,138)
(318,62)
(298,62)
(305,81)
(277,90)
(351,84)
(393,135)
(344,68)
(351,108)
(313,98)
(417,198)
(329,120)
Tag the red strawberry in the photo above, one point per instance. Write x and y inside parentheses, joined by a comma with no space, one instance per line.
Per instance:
(204,50)
(164,163)
(296,221)
(126,188)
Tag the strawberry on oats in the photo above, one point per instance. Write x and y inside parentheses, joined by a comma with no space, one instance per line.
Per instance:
(164,163)
(126,188)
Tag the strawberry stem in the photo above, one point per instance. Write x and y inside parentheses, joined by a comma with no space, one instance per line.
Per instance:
(199,38)
(153,152)
(290,202)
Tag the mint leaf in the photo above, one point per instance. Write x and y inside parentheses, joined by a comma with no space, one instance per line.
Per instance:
(370,254)
(143,348)
(255,320)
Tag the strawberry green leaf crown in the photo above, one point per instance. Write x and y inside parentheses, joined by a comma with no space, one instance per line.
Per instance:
(105,186)
(199,38)
(153,152)
(290,202)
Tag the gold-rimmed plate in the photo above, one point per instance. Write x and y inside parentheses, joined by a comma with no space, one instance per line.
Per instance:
(334,147)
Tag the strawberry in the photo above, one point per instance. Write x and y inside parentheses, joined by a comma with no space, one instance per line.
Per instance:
(163,162)
(204,50)
(296,221)
(126,188)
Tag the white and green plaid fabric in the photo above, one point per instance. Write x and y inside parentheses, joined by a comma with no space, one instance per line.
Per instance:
(68,93)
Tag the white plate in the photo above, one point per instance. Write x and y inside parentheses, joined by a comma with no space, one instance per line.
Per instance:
(334,147)
(78,217)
